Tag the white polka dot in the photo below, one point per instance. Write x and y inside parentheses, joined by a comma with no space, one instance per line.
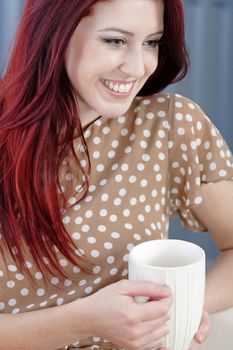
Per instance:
(191,105)
(146,102)
(54,281)
(161,134)
(96,140)
(15,311)
(85,228)
(96,154)
(122,192)
(189,118)
(82,283)
(158,144)
(91,240)
(213,166)
(161,114)
(40,292)
(138,121)
(38,275)
(88,290)
(95,253)
(162,156)
(104,197)
(121,119)
(128,150)
(67,282)
(132,179)
(1,273)
(115,143)
(78,220)
(150,115)
(158,177)
(96,269)
(10,284)
(2,306)
(111,154)
(115,166)
(24,292)
(178,104)
(146,157)
(125,167)
(43,304)
(140,167)
(154,193)
(60,301)
(12,302)
(141,218)
(128,226)
(115,235)
(179,116)
(114,271)
(143,144)
(198,200)
(12,268)
(133,201)
(100,168)
(103,212)
(76,269)
(76,235)
(97,280)
(19,277)
(106,130)
(108,245)
(222,173)
(137,237)
(137,109)
(89,214)
(117,201)
(102,228)
(63,262)
(130,246)
(181,131)
(143,183)
(113,218)
(124,132)
(110,259)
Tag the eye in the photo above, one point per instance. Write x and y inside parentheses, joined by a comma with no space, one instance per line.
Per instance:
(152,43)
(114,42)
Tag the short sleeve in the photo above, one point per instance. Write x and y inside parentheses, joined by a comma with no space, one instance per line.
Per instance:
(198,154)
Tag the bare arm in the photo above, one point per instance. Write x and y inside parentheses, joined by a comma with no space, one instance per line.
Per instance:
(47,329)
(216,214)
(111,313)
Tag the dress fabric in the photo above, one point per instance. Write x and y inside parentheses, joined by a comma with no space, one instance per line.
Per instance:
(146,166)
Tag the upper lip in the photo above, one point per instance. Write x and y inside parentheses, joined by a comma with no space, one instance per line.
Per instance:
(120,81)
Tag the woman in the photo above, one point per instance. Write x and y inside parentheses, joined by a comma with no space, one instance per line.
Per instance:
(93,161)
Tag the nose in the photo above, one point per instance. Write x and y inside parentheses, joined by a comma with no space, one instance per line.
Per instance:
(133,64)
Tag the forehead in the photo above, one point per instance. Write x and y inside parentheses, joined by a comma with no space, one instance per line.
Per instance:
(146,13)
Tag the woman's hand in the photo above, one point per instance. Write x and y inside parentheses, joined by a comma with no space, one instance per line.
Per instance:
(203,332)
(113,314)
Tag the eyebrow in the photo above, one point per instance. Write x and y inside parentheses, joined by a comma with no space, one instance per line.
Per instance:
(115,29)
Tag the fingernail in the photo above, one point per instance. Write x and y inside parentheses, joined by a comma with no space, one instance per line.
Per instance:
(201,337)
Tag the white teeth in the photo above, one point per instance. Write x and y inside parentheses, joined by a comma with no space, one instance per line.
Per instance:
(122,88)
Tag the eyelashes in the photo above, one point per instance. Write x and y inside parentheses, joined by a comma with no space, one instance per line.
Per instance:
(114,42)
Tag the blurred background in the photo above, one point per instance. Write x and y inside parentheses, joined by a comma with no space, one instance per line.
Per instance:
(209,36)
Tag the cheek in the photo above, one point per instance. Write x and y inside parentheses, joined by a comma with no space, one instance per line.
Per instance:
(152,62)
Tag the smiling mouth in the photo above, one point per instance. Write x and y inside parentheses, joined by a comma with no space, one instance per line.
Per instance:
(118,87)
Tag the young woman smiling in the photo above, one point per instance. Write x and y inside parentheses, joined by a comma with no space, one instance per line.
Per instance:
(94,158)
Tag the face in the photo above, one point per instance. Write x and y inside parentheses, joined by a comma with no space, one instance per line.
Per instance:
(111,55)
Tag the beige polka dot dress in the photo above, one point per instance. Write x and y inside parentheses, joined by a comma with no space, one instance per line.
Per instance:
(145,166)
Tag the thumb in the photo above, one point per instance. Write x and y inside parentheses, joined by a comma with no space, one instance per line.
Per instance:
(149,289)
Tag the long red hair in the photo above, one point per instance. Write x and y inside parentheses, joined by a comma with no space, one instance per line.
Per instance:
(39,120)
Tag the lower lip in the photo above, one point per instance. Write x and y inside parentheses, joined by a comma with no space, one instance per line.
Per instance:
(117,94)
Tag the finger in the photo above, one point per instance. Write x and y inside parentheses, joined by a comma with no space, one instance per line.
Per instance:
(146,288)
(204,328)
(147,327)
(153,310)
(157,335)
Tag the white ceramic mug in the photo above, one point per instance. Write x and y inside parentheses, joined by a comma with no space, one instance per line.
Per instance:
(181,266)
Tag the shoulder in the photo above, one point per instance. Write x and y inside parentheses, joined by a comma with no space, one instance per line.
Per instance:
(167,103)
